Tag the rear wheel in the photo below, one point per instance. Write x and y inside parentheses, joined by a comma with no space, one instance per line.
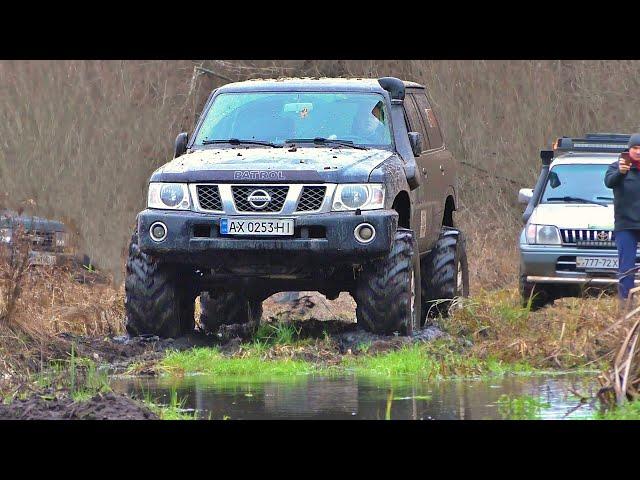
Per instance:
(156,302)
(388,289)
(445,275)
(226,309)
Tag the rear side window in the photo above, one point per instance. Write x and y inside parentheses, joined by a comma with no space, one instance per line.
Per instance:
(415,124)
(430,121)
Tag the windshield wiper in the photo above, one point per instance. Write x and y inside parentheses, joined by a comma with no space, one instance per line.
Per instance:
(322,141)
(604,198)
(575,199)
(236,141)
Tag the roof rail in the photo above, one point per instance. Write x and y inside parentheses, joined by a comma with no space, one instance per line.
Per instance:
(593,142)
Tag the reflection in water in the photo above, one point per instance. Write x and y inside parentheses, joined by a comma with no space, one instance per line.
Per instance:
(350,397)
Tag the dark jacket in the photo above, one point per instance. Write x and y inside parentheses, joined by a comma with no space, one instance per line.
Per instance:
(626,196)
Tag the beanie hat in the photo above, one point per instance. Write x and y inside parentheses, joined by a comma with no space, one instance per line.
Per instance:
(634,141)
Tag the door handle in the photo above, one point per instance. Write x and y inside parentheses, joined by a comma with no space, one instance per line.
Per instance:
(424,171)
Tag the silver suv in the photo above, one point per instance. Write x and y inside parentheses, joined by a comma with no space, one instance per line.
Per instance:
(568,242)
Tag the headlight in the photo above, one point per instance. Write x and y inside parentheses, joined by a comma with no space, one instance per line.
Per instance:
(172,196)
(6,234)
(62,239)
(543,235)
(365,196)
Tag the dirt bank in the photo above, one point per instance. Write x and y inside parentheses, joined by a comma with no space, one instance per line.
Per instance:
(107,406)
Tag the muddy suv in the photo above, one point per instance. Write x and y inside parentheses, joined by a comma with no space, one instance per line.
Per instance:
(329,185)
(47,239)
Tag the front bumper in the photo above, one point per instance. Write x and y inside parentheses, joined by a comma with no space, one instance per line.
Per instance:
(194,238)
(557,264)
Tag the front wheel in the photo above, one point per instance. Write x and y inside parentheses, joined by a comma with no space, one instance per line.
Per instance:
(388,289)
(157,301)
(533,295)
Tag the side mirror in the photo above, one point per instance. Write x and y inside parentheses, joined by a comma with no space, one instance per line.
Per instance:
(181,144)
(415,139)
(524,195)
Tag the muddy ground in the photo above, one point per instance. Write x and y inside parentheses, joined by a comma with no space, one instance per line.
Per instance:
(331,324)
(102,406)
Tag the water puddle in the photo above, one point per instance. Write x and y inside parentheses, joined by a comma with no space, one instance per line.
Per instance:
(353,397)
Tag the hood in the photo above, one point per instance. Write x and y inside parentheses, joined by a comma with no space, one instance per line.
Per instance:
(315,164)
(10,218)
(565,215)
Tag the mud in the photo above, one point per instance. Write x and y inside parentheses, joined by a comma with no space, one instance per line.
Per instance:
(330,323)
(107,406)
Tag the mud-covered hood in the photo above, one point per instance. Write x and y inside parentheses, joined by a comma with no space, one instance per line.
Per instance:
(331,165)
(564,215)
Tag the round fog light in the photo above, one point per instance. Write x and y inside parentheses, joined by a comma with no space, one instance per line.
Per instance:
(364,233)
(158,231)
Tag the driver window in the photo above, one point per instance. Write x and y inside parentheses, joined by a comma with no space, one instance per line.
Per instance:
(415,124)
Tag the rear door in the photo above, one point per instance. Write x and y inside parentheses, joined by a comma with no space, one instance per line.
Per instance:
(439,159)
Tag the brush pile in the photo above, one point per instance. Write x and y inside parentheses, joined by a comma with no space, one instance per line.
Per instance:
(622,382)
(38,303)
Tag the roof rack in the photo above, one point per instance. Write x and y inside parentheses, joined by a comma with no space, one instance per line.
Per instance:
(593,142)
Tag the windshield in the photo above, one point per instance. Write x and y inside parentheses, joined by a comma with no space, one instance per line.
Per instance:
(274,117)
(577,181)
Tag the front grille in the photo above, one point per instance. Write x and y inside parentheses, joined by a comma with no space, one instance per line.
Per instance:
(209,197)
(241,193)
(588,238)
(41,240)
(311,199)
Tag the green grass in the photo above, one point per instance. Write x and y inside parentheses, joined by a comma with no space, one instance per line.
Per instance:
(174,410)
(628,411)
(432,361)
(436,360)
(276,334)
(211,361)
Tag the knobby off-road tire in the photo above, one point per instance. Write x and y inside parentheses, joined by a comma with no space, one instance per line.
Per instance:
(445,275)
(538,295)
(159,300)
(388,289)
(226,309)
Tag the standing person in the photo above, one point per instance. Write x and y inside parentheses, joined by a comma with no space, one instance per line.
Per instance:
(623,177)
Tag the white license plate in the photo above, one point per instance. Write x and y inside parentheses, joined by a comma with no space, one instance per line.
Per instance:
(597,263)
(41,258)
(256,226)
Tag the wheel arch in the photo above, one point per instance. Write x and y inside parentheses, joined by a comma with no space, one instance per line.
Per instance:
(402,205)
(449,208)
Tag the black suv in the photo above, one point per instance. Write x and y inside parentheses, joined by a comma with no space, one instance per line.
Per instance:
(328,185)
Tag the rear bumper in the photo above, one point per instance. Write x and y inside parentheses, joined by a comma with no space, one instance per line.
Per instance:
(194,238)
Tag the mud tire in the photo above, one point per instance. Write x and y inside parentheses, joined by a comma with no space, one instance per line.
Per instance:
(539,295)
(226,309)
(384,292)
(158,299)
(440,280)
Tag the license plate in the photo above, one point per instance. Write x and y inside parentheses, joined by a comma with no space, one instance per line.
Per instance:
(41,258)
(256,226)
(597,263)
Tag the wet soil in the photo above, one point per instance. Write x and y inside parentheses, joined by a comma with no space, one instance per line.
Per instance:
(119,352)
(332,336)
(107,406)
